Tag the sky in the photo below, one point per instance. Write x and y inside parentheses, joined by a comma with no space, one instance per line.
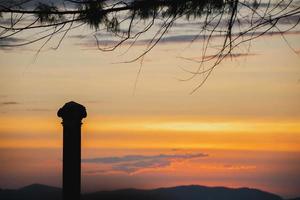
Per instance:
(240,129)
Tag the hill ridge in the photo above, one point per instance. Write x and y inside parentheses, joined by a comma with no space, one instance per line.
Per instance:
(38,191)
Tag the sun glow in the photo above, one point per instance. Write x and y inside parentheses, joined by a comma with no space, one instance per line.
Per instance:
(149,133)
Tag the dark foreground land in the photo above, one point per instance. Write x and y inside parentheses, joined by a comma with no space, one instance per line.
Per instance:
(43,192)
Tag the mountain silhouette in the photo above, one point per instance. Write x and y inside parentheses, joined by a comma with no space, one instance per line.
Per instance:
(193,192)
(32,192)
(185,193)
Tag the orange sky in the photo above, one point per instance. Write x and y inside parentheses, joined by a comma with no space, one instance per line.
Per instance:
(167,132)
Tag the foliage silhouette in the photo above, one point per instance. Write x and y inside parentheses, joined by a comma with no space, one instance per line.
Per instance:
(233,21)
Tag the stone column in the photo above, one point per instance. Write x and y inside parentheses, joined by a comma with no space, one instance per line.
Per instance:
(72,113)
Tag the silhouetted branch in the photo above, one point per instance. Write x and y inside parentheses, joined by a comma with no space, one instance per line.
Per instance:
(233,22)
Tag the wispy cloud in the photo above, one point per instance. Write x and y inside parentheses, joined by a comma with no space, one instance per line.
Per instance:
(209,57)
(31,4)
(38,110)
(6,103)
(140,165)
(9,40)
(95,171)
(239,167)
(182,38)
(6,44)
(135,163)
(187,31)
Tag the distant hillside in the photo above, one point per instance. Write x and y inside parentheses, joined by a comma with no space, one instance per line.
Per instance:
(43,192)
(184,193)
(32,192)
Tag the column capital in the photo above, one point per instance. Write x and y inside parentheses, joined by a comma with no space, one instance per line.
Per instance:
(72,111)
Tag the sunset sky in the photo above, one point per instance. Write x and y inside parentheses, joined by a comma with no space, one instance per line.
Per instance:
(240,129)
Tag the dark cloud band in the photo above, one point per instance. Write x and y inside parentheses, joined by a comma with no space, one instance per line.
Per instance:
(134,163)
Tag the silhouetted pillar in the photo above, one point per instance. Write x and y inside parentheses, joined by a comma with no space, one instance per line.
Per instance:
(72,114)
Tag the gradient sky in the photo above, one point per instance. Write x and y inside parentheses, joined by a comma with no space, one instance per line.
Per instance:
(241,129)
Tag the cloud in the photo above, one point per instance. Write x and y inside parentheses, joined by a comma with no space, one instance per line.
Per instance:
(95,101)
(233,55)
(38,110)
(239,167)
(182,38)
(146,164)
(6,103)
(95,171)
(9,40)
(196,37)
(293,19)
(135,163)
(208,57)
(7,43)
(128,158)
(31,4)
